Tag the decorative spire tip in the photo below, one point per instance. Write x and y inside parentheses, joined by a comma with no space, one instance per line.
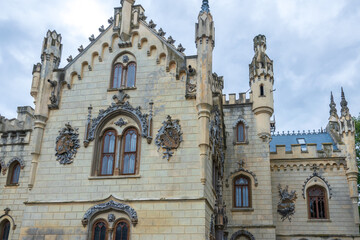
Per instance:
(205,6)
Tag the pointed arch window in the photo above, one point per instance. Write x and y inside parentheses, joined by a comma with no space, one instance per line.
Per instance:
(240,132)
(117,78)
(122,231)
(4,230)
(317,203)
(124,76)
(130,151)
(14,174)
(108,153)
(242,192)
(99,230)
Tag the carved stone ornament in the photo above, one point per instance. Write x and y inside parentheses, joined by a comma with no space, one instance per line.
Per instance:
(242,169)
(111,217)
(286,205)
(316,175)
(3,166)
(169,137)
(121,122)
(111,205)
(6,214)
(67,144)
(216,137)
(7,166)
(119,104)
(242,233)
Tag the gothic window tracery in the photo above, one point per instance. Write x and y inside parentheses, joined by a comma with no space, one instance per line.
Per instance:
(108,153)
(240,132)
(317,203)
(242,192)
(99,230)
(123,72)
(129,151)
(121,231)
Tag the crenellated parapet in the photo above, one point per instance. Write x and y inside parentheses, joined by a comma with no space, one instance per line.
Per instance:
(233,99)
(17,130)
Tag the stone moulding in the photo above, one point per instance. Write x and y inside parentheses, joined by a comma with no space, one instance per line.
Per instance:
(316,175)
(277,166)
(15,159)
(9,217)
(241,233)
(120,107)
(240,170)
(110,205)
(67,144)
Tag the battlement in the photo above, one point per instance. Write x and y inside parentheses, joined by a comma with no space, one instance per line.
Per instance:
(232,99)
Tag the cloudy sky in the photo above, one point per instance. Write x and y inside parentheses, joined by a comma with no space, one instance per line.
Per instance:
(315,45)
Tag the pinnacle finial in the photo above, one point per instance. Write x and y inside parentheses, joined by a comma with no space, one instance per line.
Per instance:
(205,6)
(344,103)
(333,111)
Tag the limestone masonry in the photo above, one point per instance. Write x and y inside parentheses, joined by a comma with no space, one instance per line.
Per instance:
(133,139)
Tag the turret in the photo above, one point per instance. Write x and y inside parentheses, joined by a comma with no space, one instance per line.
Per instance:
(205,41)
(261,84)
(333,126)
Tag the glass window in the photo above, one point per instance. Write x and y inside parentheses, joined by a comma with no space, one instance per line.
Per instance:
(14,173)
(303,144)
(317,203)
(241,132)
(242,192)
(118,72)
(5,230)
(99,231)
(130,76)
(262,92)
(108,153)
(130,151)
(122,231)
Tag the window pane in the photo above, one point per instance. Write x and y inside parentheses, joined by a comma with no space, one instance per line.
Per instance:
(132,164)
(238,197)
(133,142)
(240,133)
(117,76)
(110,165)
(104,165)
(100,231)
(16,174)
(131,75)
(121,231)
(126,163)
(245,197)
(106,143)
(127,142)
(112,143)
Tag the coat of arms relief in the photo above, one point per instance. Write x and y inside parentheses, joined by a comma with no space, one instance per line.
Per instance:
(169,137)
(67,144)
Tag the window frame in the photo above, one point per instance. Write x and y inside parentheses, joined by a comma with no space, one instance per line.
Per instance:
(124,75)
(102,152)
(123,142)
(94,225)
(113,75)
(326,204)
(249,192)
(115,226)
(237,132)
(3,228)
(11,174)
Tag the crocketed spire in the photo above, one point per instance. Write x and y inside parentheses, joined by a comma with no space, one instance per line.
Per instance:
(333,110)
(205,6)
(344,103)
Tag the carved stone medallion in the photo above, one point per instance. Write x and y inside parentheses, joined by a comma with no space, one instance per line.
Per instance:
(286,206)
(169,137)
(67,144)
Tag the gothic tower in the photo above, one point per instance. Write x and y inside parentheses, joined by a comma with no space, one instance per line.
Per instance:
(261,83)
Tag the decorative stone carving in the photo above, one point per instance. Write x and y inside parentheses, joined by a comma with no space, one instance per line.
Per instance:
(125,59)
(70,59)
(217,83)
(121,122)
(191,83)
(111,205)
(152,25)
(169,137)
(286,205)
(216,136)
(81,49)
(242,169)
(180,48)
(15,159)
(111,217)
(170,40)
(142,17)
(240,233)
(110,20)
(92,38)
(161,32)
(102,29)
(314,175)
(119,104)
(67,144)
(3,166)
